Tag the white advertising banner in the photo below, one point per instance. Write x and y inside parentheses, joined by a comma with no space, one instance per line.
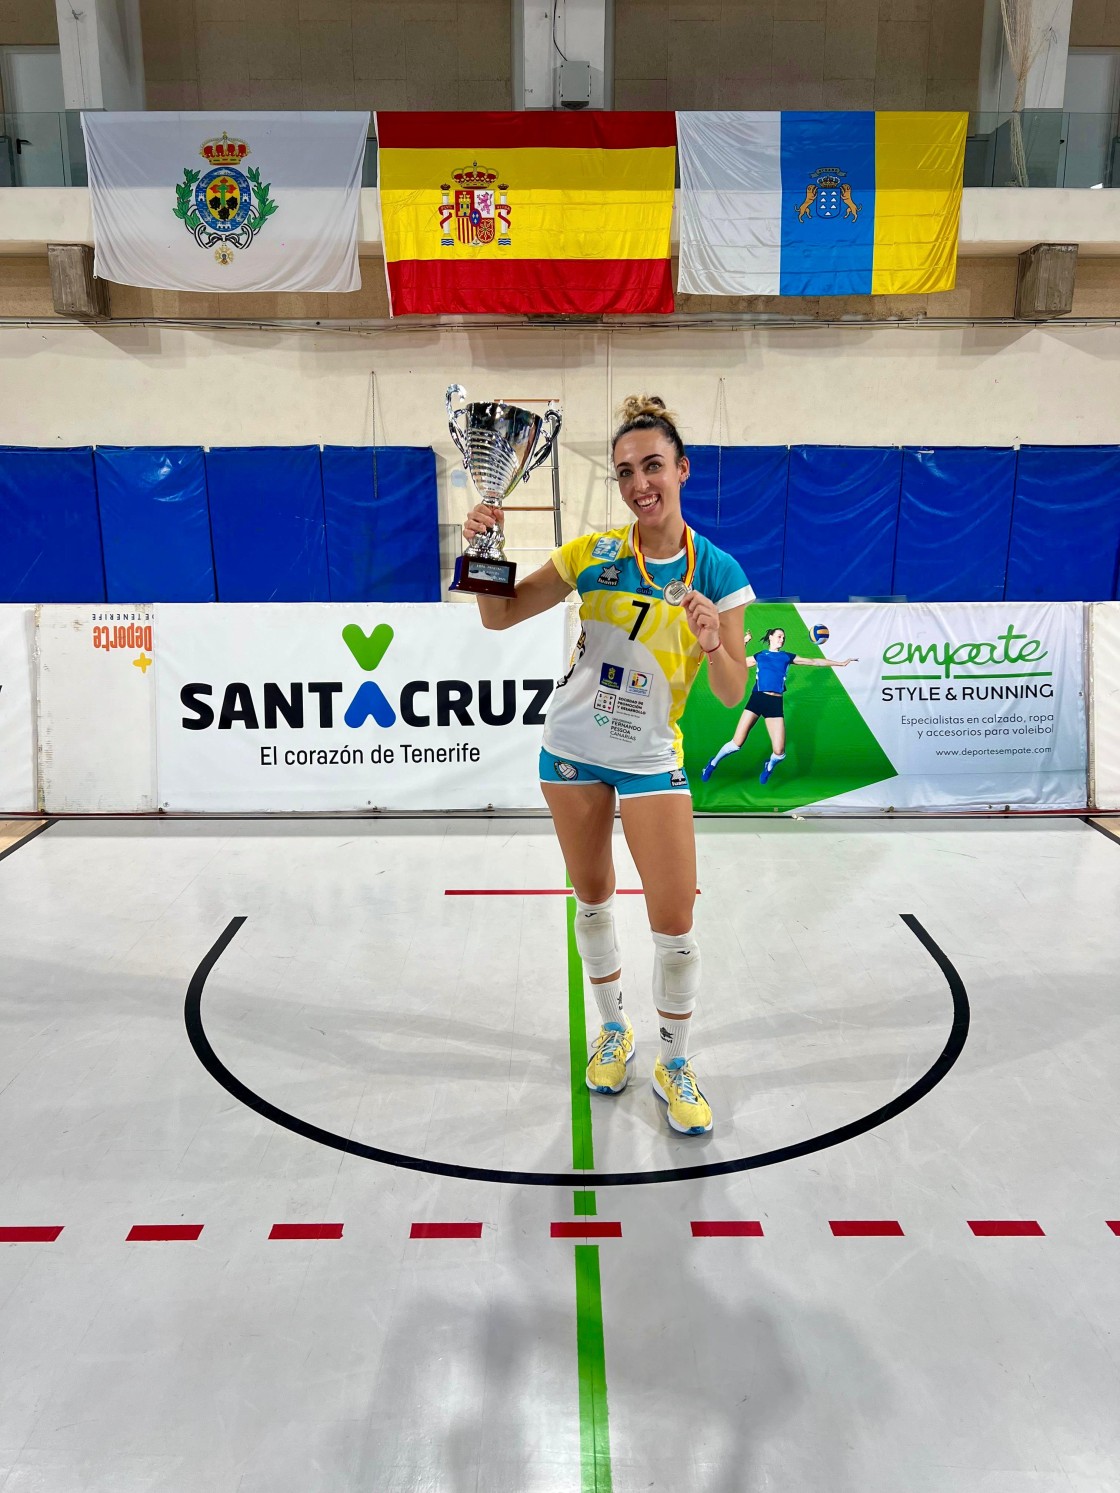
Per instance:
(96,709)
(1105,728)
(17,710)
(333,707)
(939,706)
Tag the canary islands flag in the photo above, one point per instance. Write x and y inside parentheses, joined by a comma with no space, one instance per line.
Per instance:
(523,213)
(813,204)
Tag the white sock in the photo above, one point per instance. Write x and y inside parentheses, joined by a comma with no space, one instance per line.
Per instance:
(674,1036)
(724,751)
(608,997)
(776,757)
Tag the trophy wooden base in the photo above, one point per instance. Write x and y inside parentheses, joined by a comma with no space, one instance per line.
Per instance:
(484,577)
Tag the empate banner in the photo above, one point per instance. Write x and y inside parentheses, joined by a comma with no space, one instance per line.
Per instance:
(17,734)
(963,706)
(296,708)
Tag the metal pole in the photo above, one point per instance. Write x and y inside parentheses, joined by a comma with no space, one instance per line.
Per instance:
(556,495)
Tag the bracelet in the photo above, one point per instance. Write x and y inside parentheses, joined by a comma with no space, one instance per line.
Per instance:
(707,652)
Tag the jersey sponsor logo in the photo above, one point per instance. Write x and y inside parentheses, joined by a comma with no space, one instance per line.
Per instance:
(608,576)
(677,779)
(604,700)
(606,549)
(602,720)
(645,590)
(820,633)
(637,683)
(566,770)
(610,676)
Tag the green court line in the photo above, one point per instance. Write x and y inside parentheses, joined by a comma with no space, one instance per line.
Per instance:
(583,1147)
(594,1428)
(591,1361)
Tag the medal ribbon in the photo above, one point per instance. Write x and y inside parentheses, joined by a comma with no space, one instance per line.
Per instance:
(689,555)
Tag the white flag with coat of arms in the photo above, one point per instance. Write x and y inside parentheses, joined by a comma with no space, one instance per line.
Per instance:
(226,201)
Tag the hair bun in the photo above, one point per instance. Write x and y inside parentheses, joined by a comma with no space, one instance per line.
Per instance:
(652,406)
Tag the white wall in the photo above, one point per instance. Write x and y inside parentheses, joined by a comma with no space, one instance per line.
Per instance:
(1050,24)
(583,30)
(867,385)
(102,58)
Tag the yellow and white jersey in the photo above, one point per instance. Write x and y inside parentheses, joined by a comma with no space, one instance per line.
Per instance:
(619,704)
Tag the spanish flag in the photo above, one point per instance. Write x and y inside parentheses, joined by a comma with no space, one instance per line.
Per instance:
(527,213)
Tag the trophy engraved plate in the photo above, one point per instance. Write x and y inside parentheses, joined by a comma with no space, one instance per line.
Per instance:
(500,445)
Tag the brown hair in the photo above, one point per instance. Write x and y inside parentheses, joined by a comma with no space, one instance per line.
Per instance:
(648,412)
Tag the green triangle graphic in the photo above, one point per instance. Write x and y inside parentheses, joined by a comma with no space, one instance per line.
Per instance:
(830,749)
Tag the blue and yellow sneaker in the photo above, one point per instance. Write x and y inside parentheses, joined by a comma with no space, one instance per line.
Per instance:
(688,1112)
(614,1047)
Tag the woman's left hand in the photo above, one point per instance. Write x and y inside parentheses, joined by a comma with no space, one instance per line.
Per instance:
(703,619)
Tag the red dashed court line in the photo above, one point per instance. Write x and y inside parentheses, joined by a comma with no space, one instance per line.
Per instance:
(588,1228)
(306,1231)
(150,1233)
(705,1228)
(998,1228)
(446,1231)
(726,1228)
(865,1228)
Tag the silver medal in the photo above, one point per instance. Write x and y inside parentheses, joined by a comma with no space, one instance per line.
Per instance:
(675,592)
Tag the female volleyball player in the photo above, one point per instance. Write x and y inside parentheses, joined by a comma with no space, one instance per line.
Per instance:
(767,701)
(656,600)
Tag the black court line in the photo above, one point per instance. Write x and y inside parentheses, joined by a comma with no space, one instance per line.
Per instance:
(1100,829)
(209,1059)
(27,839)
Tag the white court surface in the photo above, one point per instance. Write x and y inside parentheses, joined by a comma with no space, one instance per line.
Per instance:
(359,998)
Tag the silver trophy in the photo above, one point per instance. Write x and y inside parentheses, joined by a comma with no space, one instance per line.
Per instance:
(500,445)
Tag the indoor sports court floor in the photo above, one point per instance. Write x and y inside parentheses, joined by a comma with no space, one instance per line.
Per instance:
(301,1194)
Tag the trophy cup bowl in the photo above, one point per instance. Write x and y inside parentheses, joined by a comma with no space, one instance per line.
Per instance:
(500,445)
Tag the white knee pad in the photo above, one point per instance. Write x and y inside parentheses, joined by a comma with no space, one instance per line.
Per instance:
(596,939)
(676,973)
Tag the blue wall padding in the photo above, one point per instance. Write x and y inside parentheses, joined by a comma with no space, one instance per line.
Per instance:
(50,535)
(266,521)
(155,523)
(954,523)
(739,503)
(841,515)
(382,514)
(1065,526)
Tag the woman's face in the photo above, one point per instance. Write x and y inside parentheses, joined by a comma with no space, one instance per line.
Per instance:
(778,639)
(649,475)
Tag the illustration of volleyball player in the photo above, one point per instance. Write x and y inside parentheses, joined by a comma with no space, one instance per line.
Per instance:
(767,698)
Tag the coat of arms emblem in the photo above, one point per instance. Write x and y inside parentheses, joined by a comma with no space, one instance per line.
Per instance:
(476,209)
(223,207)
(828,195)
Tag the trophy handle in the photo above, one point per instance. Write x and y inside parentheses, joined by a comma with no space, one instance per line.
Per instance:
(456,419)
(546,438)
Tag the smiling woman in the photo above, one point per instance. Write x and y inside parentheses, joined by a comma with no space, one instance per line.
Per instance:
(656,601)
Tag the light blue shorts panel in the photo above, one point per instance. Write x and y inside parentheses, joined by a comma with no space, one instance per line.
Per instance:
(555,769)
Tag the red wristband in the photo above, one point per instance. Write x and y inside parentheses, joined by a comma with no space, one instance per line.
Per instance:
(707,652)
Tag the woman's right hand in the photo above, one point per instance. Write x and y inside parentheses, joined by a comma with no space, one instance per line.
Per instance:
(482,516)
